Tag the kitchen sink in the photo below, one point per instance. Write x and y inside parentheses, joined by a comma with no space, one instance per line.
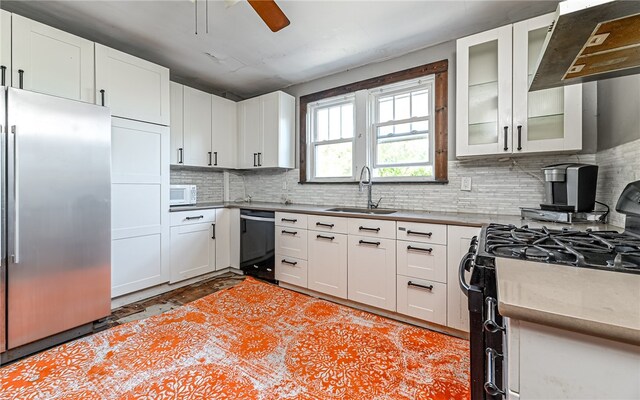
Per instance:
(362,210)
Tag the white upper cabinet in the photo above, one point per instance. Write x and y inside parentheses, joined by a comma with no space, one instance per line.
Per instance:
(495,113)
(266,131)
(177,119)
(5,48)
(545,120)
(224,132)
(197,128)
(483,98)
(133,88)
(50,61)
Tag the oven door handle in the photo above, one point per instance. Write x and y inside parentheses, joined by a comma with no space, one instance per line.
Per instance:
(465,265)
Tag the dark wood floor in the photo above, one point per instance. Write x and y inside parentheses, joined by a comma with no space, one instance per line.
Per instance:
(170,300)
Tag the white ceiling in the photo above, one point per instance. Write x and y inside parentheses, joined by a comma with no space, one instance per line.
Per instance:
(325,37)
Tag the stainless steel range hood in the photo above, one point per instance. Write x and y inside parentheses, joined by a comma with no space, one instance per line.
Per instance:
(590,40)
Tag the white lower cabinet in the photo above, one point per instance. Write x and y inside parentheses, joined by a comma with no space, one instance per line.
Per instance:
(372,271)
(422,260)
(459,239)
(426,300)
(193,244)
(291,242)
(291,270)
(327,271)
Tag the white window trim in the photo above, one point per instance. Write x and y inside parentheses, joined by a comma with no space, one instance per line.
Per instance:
(398,88)
(364,139)
(312,144)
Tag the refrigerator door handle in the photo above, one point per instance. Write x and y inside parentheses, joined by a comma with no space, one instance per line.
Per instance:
(16,199)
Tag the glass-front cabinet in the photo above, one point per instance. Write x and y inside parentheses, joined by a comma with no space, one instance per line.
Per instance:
(495,113)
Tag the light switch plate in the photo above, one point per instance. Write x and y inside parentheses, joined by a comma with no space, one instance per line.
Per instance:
(465,184)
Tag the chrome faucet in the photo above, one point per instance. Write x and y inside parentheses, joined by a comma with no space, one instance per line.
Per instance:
(369,184)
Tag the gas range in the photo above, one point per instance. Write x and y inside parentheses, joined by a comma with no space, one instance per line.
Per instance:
(605,250)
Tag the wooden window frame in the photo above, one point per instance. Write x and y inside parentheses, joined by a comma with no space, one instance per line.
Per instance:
(439,69)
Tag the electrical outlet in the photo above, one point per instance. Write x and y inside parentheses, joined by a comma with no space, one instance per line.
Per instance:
(465,184)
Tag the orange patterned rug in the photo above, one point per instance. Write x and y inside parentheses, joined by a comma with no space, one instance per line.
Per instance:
(253,341)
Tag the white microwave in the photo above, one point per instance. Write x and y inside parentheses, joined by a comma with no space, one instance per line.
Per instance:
(183,195)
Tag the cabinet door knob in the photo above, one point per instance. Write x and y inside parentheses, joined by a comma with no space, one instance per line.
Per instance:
(259,159)
(102,96)
(255,163)
(429,288)
(213,231)
(3,72)
(210,158)
(215,158)
(367,242)
(21,79)
(180,155)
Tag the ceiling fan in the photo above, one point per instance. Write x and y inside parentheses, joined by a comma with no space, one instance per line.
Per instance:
(270,13)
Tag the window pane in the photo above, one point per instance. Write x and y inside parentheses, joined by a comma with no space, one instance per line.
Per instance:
(385,130)
(420,103)
(421,126)
(347,121)
(385,109)
(410,150)
(425,171)
(403,106)
(334,123)
(334,160)
(322,124)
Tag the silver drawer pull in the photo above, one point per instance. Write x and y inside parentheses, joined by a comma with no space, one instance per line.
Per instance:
(289,232)
(325,237)
(364,228)
(326,225)
(198,217)
(429,288)
(289,262)
(289,220)
(429,250)
(490,384)
(428,234)
(367,242)
(490,324)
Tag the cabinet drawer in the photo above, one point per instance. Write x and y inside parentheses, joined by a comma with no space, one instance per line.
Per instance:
(425,233)
(291,242)
(420,260)
(192,217)
(327,224)
(290,219)
(422,299)
(291,270)
(372,228)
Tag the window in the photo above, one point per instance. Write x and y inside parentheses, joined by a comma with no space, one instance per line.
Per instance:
(331,127)
(395,124)
(401,138)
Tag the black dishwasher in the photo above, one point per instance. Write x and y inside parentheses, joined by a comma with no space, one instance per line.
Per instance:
(257,244)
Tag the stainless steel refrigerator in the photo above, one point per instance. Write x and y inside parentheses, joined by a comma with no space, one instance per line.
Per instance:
(56,219)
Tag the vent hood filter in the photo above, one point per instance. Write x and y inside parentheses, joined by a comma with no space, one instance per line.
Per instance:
(590,40)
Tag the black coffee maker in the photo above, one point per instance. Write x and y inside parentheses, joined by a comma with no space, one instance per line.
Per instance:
(570,187)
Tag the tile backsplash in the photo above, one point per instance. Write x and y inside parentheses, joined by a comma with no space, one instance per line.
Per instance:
(210,183)
(498,187)
(619,166)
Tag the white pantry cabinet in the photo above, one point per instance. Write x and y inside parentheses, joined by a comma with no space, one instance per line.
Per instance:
(458,242)
(5,48)
(327,266)
(495,113)
(176,95)
(372,271)
(193,244)
(266,130)
(51,61)
(224,132)
(197,128)
(140,217)
(132,87)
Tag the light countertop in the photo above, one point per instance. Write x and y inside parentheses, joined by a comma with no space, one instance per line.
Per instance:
(461,219)
(591,301)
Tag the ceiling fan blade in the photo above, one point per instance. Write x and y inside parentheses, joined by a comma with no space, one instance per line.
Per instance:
(270,13)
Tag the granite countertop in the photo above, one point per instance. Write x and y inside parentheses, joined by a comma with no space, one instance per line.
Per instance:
(590,301)
(461,219)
